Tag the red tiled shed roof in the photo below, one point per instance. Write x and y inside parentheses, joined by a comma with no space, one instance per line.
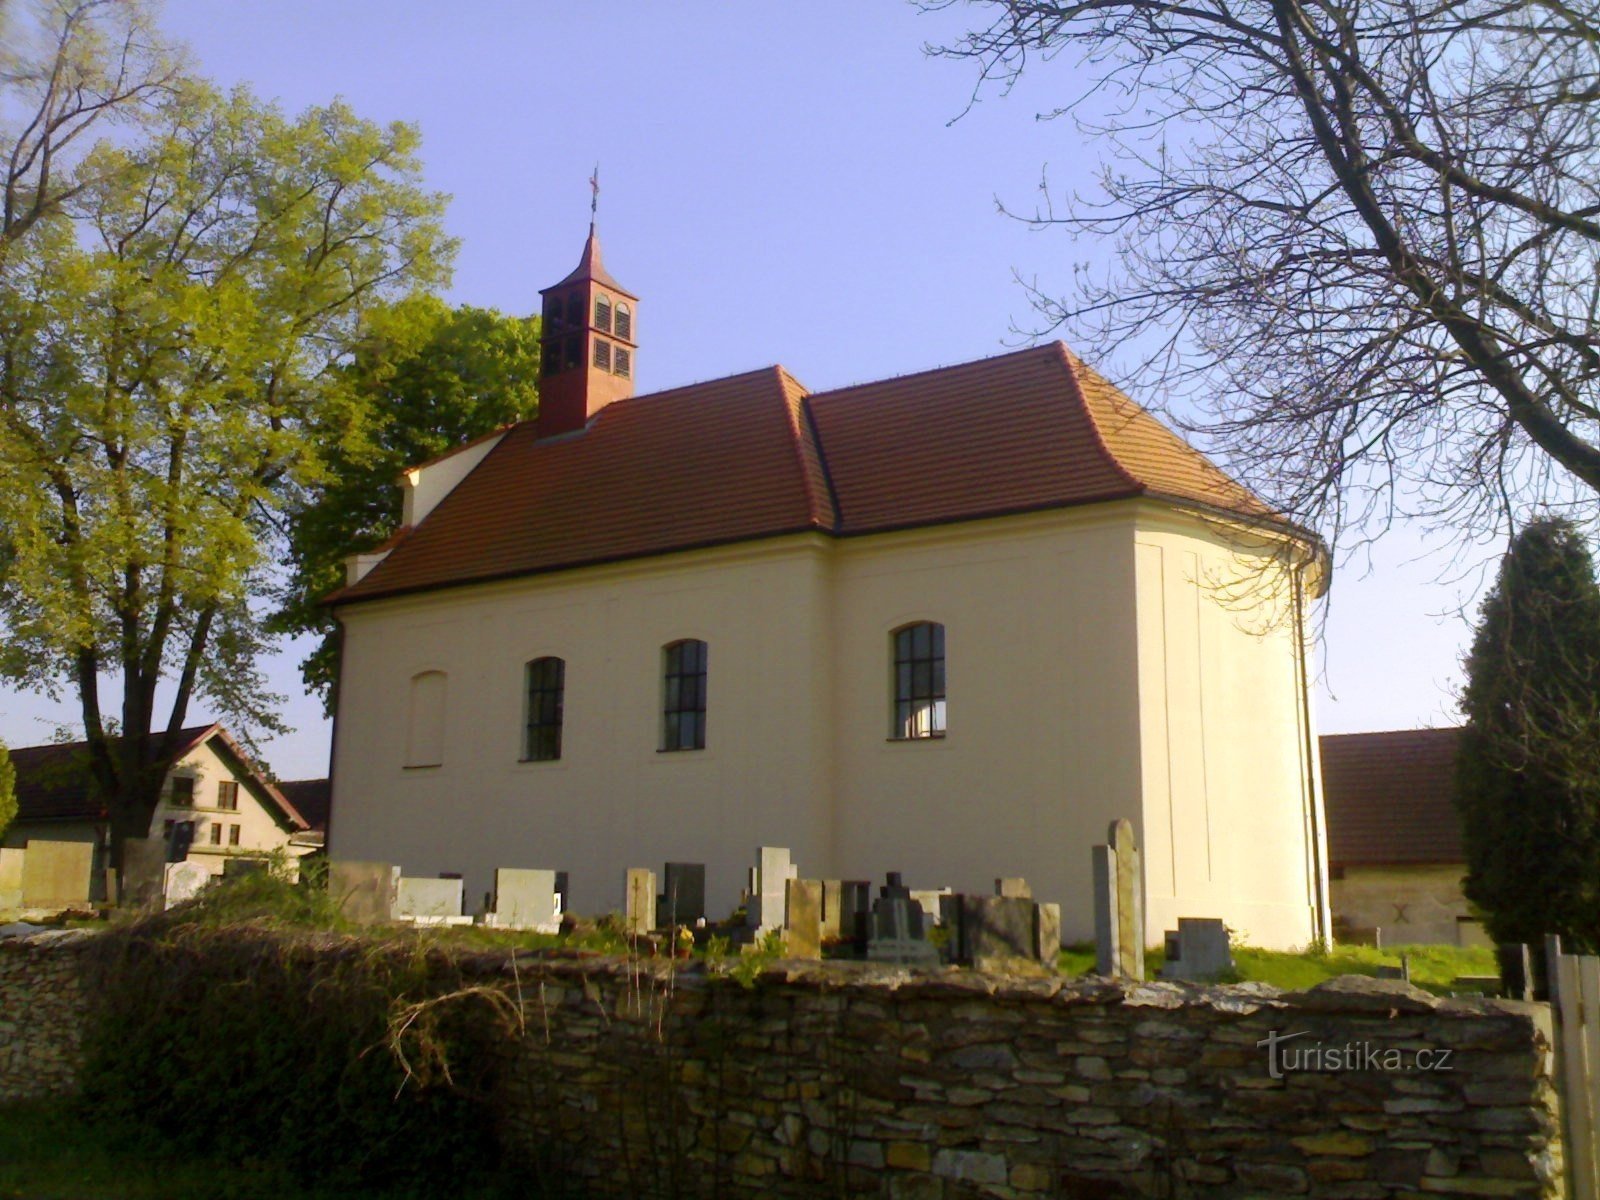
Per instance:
(754,456)
(1388,797)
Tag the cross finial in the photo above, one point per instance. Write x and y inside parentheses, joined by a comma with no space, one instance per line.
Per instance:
(594,198)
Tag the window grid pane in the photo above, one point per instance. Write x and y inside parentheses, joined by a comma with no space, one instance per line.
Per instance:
(683,725)
(547,679)
(919,700)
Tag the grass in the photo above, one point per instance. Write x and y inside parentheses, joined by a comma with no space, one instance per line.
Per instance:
(1433,968)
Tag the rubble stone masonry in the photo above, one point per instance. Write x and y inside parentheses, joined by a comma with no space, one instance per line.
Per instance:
(653,1078)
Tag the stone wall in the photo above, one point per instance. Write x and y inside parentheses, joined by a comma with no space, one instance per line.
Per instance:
(879,1082)
(640,1079)
(42,1009)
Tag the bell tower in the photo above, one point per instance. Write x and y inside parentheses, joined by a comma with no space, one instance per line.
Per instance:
(589,325)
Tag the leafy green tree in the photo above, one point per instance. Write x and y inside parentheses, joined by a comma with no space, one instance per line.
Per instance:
(8,789)
(171,335)
(1528,776)
(432,378)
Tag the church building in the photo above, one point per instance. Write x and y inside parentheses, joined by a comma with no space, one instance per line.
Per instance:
(950,624)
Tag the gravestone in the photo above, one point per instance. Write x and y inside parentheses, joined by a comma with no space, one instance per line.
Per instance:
(1118,904)
(802,918)
(895,931)
(683,895)
(1014,886)
(525,898)
(144,867)
(765,911)
(364,891)
(832,899)
(1049,927)
(855,911)
(11,878)
(183,881)
(952,918)
(429,901)
(1198,951)
(929,899)
(999,929)
(639,912)
(57,874)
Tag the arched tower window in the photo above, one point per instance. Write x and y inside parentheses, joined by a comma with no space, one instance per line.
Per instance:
(575,313)
(683,708)
(425,720)
(546,680)
(602,314)
(624,321)
(918,681)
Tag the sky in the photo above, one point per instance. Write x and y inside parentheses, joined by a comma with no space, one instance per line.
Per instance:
(779,184)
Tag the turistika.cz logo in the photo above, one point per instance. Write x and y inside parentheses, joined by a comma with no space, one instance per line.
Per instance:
(1286,1054)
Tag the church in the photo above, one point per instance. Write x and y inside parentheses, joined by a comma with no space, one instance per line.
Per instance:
(950,624)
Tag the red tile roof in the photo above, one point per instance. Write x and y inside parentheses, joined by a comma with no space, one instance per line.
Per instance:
(1388,797)
(755,456)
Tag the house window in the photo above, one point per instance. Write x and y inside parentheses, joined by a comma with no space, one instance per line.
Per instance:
(228,796)
(602,354)
(602,314)
(425,720)
(233,835)
(622,363)
(182,792)
(624,322)
(683,724)
(919,681)
(546,684)
(216,834)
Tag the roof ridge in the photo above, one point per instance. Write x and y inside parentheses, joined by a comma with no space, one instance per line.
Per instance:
(794,396)
(1068,363)
(1042,348)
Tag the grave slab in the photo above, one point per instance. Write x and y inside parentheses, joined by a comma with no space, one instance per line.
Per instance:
(1014,887)
(832,899)
(683,893)
(144,867)
(57,874)
(525,898)
(802,920)
(1198,951)
(765,910)
(1049,926)
(999,929)
(11,878)
(639,911)
(364,891)
(183,881)
(418,898)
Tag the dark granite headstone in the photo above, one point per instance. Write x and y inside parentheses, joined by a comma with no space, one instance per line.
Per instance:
(1000,928)
(896,933)
(683,896)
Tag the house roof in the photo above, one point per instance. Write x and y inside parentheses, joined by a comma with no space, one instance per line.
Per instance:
(53,784)
(1389,797)
(312,798)
(755,455)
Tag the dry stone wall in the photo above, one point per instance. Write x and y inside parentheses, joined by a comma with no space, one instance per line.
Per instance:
(942,1085)
(42,1011)
(652,1078)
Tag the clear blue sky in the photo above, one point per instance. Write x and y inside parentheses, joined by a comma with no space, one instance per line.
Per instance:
(780,183)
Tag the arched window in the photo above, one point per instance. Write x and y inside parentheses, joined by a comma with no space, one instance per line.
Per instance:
(425,720)
(546,682)
(602,314)
(919,681)
(552,310)
(550,357)
(575,313)
(624,321)
(683,708)
(573,354)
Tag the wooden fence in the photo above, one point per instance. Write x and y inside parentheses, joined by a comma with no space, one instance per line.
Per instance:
(1575,1004)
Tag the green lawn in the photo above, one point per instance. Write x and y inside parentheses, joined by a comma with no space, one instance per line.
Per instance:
(1433,968)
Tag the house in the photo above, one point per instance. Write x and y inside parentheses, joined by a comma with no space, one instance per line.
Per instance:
(951,624)
(1395,856)
(214,798)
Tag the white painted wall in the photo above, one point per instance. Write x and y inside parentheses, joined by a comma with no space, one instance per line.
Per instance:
(1050,739)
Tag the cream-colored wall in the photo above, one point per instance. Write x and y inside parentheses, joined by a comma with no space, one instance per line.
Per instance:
(1045,660)
(613,800)
(1410,904)
(259,830)
(1042,706)
(1230,824)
